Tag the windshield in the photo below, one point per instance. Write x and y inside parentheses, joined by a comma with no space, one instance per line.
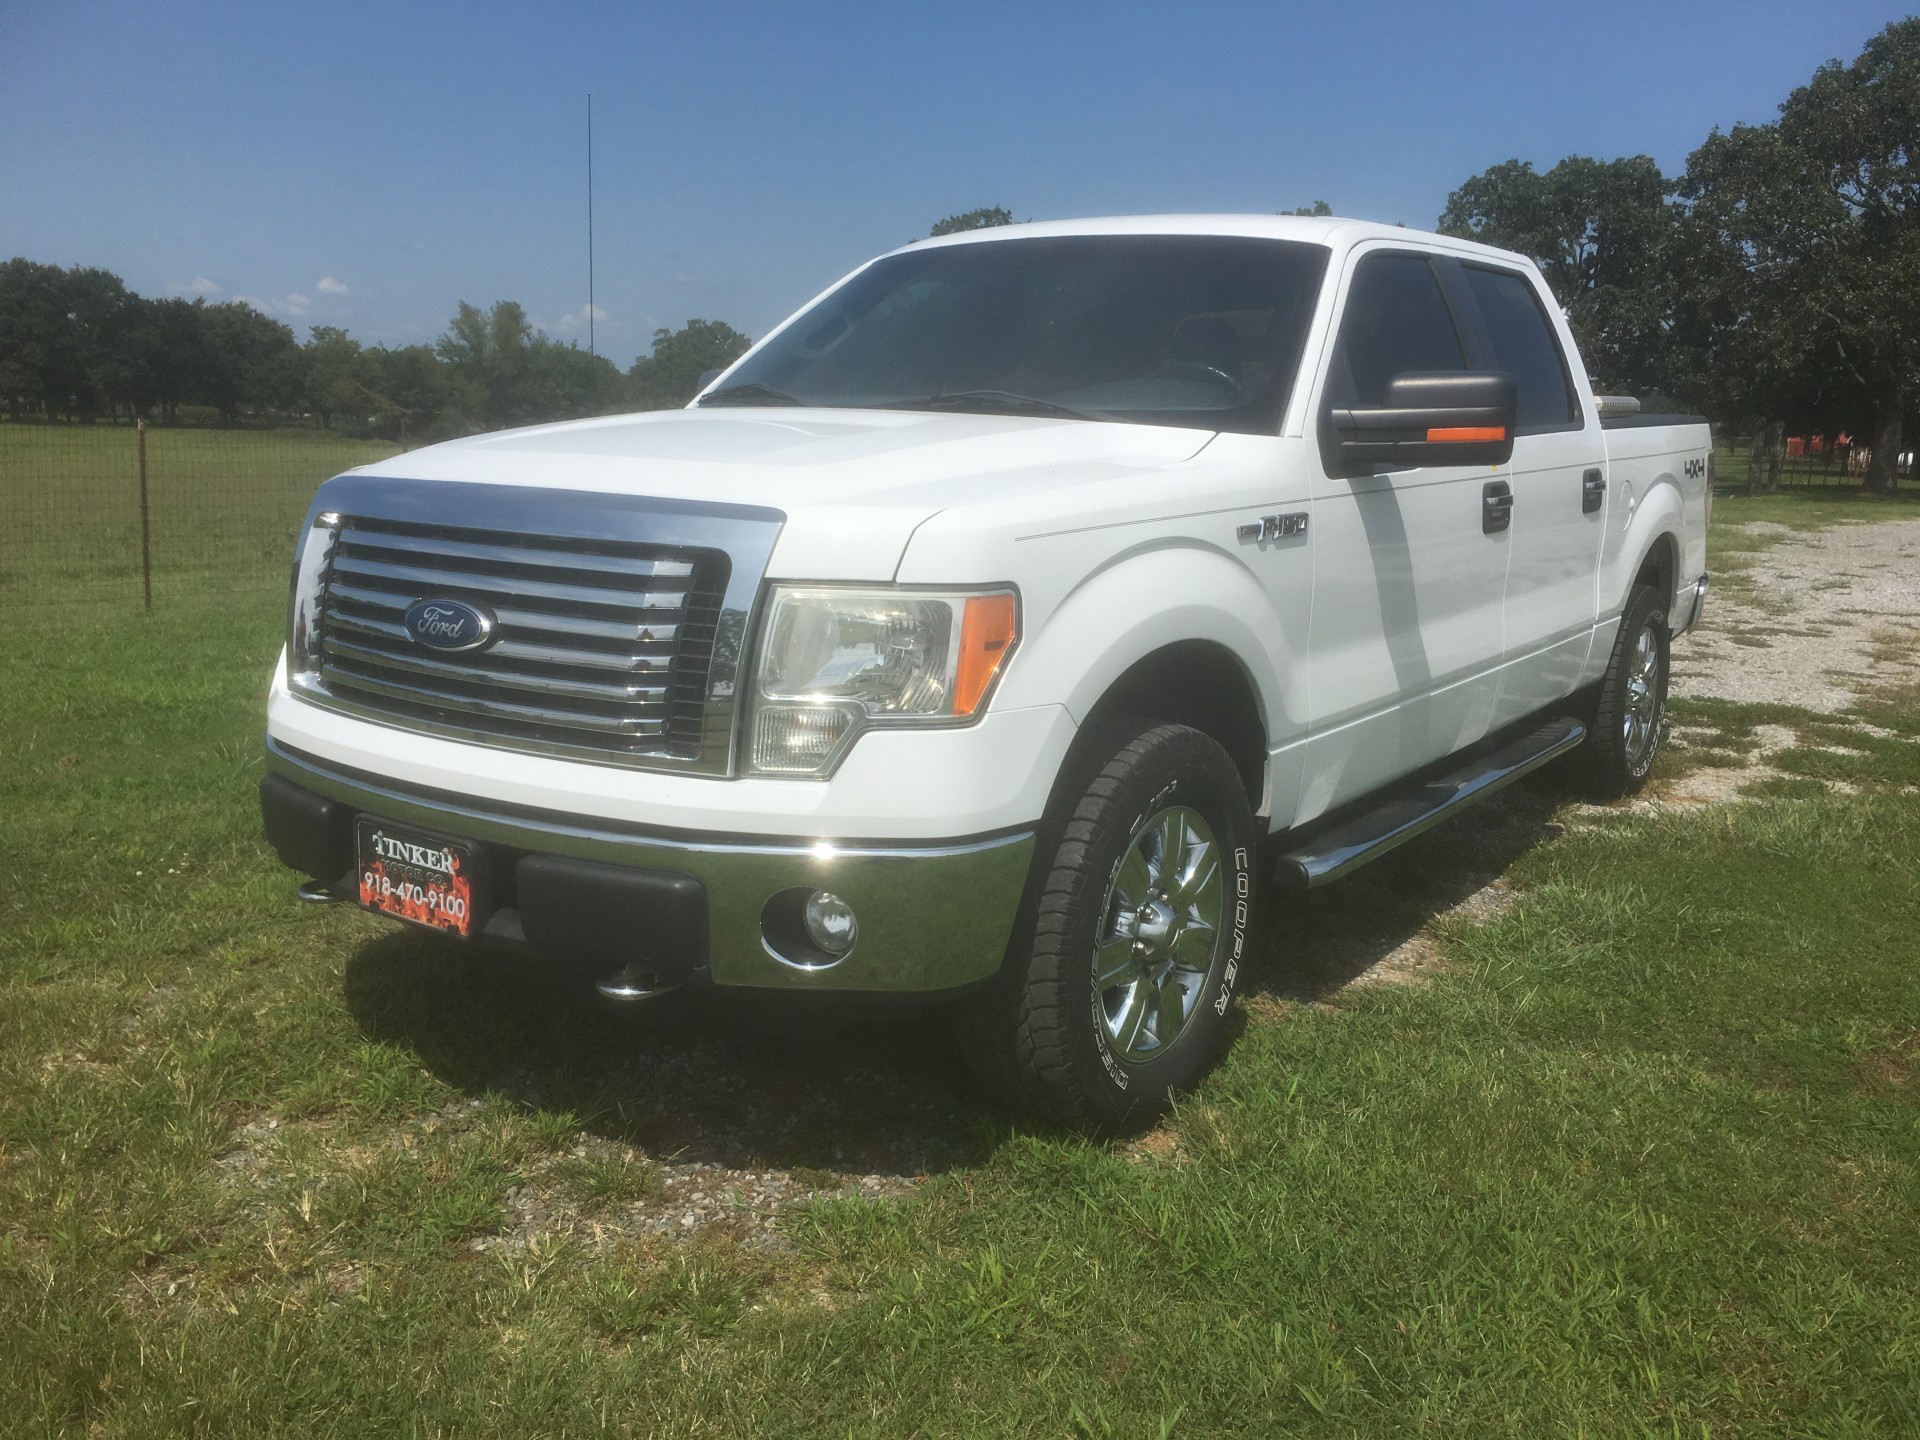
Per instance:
(1194,330)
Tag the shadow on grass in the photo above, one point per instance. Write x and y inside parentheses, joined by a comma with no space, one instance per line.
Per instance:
(744,1080)
(1315,943)
(827,1082)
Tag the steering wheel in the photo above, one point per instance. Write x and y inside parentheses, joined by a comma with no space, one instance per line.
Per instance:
(1200,370)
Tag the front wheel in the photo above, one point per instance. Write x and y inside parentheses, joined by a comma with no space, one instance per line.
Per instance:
(1629,717)
(1117,985)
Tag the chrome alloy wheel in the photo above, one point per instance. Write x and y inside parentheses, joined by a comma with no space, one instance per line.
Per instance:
(1163,915)
(1640,717)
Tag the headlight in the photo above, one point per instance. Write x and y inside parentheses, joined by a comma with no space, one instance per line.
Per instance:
(833,662)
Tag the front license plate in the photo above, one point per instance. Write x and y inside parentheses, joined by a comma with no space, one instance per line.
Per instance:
(422,878)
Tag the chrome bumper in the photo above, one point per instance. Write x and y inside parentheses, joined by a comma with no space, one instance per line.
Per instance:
(1699,603)
(932,917)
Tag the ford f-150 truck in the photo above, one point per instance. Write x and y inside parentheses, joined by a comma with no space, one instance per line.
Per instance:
(984,629)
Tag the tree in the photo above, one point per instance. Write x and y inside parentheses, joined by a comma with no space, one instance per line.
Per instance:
(1810,229)
(340,379)
(670,376)
(74,341)
(60,336)
(252,362)
(564,382)
(175,332)
(487,354)
(1317,208)
(509,373)
(33,334)
(1600,232)
(984,219)
(417,387)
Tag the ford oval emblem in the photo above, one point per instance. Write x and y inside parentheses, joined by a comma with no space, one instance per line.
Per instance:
(449,624)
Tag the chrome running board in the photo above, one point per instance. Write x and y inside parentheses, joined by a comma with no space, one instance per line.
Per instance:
(1352,843)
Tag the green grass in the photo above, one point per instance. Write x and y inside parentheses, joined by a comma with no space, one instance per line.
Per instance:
(223,505)
(1644,1159)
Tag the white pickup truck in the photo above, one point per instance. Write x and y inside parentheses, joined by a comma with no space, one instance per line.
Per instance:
(980,631)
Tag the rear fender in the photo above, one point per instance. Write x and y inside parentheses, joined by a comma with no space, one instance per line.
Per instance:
(1657,513)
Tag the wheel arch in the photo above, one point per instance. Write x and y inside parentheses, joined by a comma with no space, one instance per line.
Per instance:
(1660,567)
(1198,683)
(1178,634)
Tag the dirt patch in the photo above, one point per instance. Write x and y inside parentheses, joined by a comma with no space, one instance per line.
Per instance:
(597,1193)
(1818,620)
(1892,1065)
(691,1198)
(1420,956)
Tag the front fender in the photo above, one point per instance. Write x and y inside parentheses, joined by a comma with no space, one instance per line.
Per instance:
(1148,599)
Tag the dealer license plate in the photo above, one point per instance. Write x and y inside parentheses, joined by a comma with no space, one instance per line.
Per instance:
(411,876)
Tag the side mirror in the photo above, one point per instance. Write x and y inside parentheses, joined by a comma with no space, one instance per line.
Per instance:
(1440,417)
(707,377)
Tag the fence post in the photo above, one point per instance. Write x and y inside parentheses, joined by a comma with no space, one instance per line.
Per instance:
(146,524)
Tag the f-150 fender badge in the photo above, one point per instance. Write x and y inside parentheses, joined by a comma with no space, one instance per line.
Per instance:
(1274,527)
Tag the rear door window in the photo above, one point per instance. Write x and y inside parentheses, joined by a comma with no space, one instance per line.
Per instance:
(1525,346)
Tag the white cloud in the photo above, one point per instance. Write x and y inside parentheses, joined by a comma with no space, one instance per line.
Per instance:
(577,319)
(292,303)
(330,286)
(200,285)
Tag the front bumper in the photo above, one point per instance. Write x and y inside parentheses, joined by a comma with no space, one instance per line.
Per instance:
(932,917)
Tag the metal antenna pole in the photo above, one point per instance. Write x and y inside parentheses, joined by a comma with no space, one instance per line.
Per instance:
(590,349)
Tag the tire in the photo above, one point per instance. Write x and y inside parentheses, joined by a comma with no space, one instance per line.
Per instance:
(1115,992)
(1629,712)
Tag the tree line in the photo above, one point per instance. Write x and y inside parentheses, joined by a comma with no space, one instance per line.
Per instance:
(77,343)
(1774,284)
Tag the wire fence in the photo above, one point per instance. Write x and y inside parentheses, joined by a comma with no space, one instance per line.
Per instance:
(1826,462)
(126,515)
(133,515)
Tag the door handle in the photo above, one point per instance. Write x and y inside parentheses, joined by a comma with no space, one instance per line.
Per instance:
(1593,491)
(1496,507)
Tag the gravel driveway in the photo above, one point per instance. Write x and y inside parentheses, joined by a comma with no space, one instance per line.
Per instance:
(1816,621)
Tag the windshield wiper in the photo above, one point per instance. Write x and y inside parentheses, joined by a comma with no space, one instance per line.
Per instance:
(990,402)
(750,392)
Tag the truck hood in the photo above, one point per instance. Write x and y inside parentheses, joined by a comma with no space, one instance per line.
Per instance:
(853,484)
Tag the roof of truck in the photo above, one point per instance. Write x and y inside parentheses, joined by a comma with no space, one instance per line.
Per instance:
(1333,231)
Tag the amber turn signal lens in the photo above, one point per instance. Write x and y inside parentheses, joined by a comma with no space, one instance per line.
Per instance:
(987,632)
(1465,434)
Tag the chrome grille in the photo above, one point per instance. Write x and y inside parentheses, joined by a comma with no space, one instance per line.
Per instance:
(602,646)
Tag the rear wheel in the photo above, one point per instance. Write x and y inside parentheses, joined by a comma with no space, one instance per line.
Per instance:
(1629,718)
(1116,988)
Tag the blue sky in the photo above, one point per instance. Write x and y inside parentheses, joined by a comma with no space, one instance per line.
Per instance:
(368,165)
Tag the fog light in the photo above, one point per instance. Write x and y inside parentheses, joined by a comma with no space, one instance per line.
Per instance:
(830,923)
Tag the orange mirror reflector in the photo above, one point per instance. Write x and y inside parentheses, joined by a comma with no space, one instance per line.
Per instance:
(1465,434)
(987,631)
